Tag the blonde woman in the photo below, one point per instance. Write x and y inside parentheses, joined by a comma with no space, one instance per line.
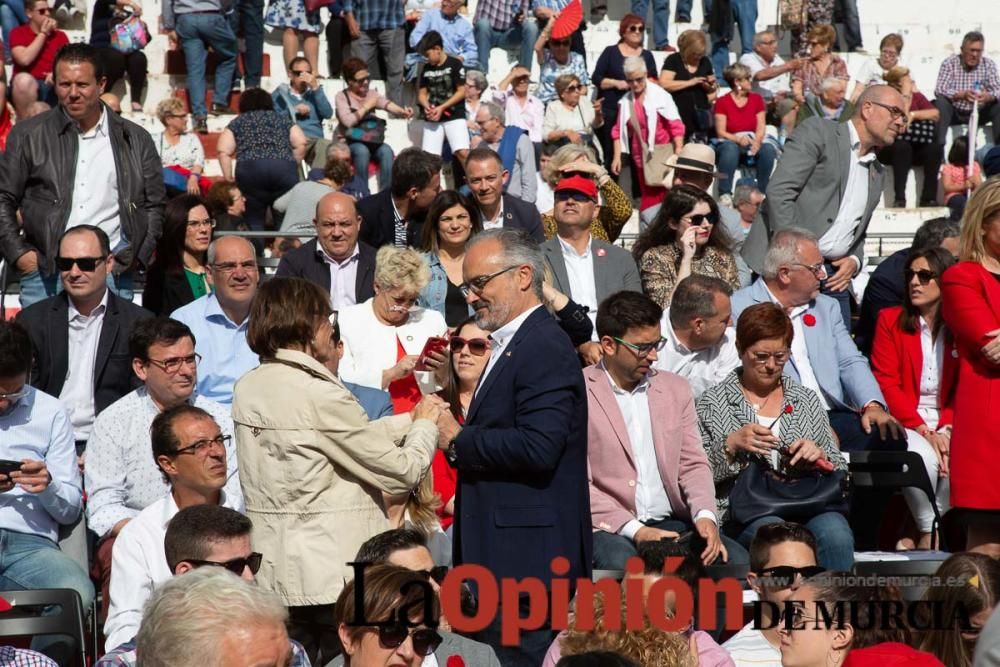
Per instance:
(689,77)
(616,206)
(179,150)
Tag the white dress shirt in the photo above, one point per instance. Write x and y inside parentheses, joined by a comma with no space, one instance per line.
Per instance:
(580,272)
(932,352)
(800,351)
(497,222)
(343,277)
(767,89)
(139,564)
(837,240)
(78,390)
(703,369)
(95,183)
(499,340)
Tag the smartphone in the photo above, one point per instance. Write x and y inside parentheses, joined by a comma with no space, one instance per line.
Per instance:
(433,344)
(7,467)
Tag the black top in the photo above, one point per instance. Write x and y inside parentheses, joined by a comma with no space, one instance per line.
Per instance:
(611,65)
(692,98)
(456,310)
(100,24)
(441,82)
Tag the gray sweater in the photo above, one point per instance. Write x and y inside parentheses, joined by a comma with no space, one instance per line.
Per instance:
(299,206)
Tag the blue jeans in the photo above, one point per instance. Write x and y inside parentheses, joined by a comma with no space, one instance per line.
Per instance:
(362,155)
(12,14)
(834,539)
(745,15)
(196,33)
(249,14)
(731,155)
(852,25)
(612,550)
(523,34)
(36,287)
(661,18)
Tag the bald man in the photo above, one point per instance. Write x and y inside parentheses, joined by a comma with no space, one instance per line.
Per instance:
(335,260)
(219,320)
(828,182)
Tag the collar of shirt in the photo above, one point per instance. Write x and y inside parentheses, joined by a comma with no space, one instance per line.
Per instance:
(570,252)
(640,388)
(98,310)
(354,255)
(503,335)
(794,312)
(150,406)
(101,129)
(499,215)
(170,507)
(863,160)
(672,338)
(214,312)
(395,212)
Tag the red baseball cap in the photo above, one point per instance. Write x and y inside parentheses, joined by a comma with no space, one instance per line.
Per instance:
(578,184)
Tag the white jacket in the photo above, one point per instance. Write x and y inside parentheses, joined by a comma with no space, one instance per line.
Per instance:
(655,101)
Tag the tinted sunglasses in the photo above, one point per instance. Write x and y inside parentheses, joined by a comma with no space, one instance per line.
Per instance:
(235,565)
(477,346)
(923,276)
(559,42)
(437,573)
(636,28)
(783,576)
(425,640)
(566,195)
(699,219)
(86,264)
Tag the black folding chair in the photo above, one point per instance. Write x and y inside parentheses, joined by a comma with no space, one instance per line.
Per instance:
(63,615)
(895,470)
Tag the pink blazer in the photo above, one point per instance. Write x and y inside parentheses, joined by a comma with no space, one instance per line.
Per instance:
(680,456)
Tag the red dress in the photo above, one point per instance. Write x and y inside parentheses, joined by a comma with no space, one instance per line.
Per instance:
(970,304)
(404,392)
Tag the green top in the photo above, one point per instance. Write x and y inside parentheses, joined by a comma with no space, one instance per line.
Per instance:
(198,282)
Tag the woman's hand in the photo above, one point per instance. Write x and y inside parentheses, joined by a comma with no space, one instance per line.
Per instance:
(805,451)
(403,367)
(616,165)
(192,185)
(941,442)
(573,136)
(688,244)
(429,407)
(753,439)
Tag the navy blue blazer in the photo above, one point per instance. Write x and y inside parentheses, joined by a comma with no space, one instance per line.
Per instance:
(522,495)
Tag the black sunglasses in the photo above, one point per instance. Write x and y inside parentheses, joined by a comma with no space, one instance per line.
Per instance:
(437,573)
(477,346)
(783,576)
(699,219)
(566,195)
(425,640)
(923,276)
(235,565)
(86,264)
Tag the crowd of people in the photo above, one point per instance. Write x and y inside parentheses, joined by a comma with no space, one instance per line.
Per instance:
(466,366)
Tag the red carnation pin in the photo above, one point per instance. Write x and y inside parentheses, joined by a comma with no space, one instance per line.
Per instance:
(788,409)
(809,319)
(455,661)
(601,252)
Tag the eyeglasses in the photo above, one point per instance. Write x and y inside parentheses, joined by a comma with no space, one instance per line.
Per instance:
(300,72)
(923,276)
(521,79)
(699,219)
(478,284)
(566,195)
(209,222)
(636,28)
(783,576)
(818,270)
(201,447)
(43,11)
(761,358)
(86,264)
(15,395)
(230,267)
(364,79)
(643,349)
(236,565)
(477,346)
(573,87)
(895,112)
(437,573)
(172,365)
(425,640)
(559,42)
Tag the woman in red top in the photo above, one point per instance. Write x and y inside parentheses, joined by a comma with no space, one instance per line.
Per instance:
(913,363)
(739,125)
(970,303)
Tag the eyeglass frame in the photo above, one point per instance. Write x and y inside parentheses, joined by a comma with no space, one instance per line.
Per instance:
(909,274)
(246,563)
(75,261)
(478,284)
(467,342)
(642,350)
(410,632)
(202,445)
(814,269)
(230,267)
(15,395)
(761,358)
(894,112)
(194,224)
(163,363)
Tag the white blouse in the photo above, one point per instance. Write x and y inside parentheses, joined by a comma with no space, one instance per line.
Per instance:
(188,152)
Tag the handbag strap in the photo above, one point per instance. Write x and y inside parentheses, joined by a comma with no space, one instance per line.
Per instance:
(638,131)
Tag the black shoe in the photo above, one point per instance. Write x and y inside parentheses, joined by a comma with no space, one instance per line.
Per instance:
(929,203)
(201,125)
(682,18)
(899,203)
(220,109)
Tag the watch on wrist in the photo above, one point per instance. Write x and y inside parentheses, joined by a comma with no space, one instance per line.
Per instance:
(449,454)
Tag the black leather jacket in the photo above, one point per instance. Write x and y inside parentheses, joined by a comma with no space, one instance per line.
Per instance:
(37,173)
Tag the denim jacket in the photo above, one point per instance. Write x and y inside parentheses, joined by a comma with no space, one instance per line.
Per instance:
(433,296)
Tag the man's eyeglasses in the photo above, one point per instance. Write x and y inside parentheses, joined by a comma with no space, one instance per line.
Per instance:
(895,112)
(15,395)
(230,267)
(783,576)
(923,276)
(761,358)
(818,270)
(172,365)
(86,264)
(44,11)
(202,446)
(425,640)
(437,573)
(479,283)
(643,349)
(236,565)
(700,219)
(208,222)
(566,195)
(477,346)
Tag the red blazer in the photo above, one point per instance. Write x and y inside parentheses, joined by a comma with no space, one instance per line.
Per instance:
(897,362)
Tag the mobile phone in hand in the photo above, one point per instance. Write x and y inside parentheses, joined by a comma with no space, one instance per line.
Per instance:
(7,466)
(433,344)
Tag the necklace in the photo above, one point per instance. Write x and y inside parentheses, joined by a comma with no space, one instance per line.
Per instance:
(757,407)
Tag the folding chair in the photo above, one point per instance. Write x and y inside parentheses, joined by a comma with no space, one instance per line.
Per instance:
(63,611)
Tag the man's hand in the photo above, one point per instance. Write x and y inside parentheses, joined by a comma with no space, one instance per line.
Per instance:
(448,429)
(650,534)
(433,113)
(352,25)
(429,407)
(49,26)
(302,110)
(407,113)
(839,281)
(874,415)
(590,352)
(709,530)
(5,483)
(309,79)
(172,38)
(805,450)
(33,476)
(27,262)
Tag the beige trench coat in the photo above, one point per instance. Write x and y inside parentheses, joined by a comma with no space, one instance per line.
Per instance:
(313,469)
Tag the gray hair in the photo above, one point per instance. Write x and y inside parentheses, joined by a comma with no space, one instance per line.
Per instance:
(477,78)
(784,249)
(634,64)
(759,37)
(210,253)
(495,111)
(743,194)
(185,622)
(934,231)
(695,297)
(335,146)
(831,81)
(972,37)
(517,248)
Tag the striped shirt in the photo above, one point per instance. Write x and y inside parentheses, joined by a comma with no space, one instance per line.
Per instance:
(501,13)
(376,14)
(749,648)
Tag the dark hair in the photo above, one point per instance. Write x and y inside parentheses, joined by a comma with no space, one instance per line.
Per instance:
(15,349)
(413,168)
(695,297)
(871,618)
(938,259)
(452,391)
(220,197)
(170,246)
(256,99)
(596,659)
(773,534)
(155,331)
(285,313)
(958,154)
(973,36)
(351,67)
(79,53)
(933,232)
(762,321)
(549,149)
(102,237)
(482,153)
(628,21)
(193,530)
(387,589)
(378,549)
(430,40)
(626,310)
(337,171)
(161,433)
(680,201)
(298,59)
(445,200)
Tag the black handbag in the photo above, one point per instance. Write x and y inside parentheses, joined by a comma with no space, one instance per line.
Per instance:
(760,491)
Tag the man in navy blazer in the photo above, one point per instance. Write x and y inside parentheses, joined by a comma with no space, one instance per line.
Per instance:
(485,176)
(824,358)
(395,216)
(522,496)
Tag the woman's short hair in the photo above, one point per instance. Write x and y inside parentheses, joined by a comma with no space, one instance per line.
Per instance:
(563,156)
(635,65)
(401,268)
(478,79)
(351,67)
(285,314)
(220,196)
(387,588)
(564,81)
(169,106)
(628,21)
(256,99)
(691,40)
(983,205)
(894,40)
(680,201)
(736,72)
(823,33)
(763,321)
(429,237)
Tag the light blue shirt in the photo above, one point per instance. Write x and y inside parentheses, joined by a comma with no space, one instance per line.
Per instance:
(222,344)
(456,33)
(38,428)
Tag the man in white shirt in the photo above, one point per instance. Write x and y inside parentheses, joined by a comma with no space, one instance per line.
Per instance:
(771,77)
(698,327)
(190,451)
(780,555)
(659,485)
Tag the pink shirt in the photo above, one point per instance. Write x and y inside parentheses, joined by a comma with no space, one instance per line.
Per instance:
(956,173)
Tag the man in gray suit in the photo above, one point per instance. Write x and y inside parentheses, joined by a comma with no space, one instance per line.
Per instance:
(584,268)
(829,182)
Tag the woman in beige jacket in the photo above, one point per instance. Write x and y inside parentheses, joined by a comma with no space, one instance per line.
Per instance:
(316,468)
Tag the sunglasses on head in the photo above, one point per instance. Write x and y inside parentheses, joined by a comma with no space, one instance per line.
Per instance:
(392,636)
(86,264)
(235,565)
(783,576)
(923,275)
(699,219)
(477,346)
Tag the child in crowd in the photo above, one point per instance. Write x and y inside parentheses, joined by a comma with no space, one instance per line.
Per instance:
(441,95)
(956,182)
